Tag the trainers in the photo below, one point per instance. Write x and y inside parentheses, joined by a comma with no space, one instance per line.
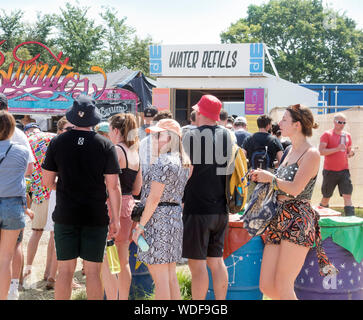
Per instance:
(13,294)
(28,281)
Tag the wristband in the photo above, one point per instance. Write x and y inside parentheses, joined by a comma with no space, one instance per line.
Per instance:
(141,227)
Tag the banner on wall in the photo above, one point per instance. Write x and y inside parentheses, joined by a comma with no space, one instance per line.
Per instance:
(114,101)
(254,101)
(161,98)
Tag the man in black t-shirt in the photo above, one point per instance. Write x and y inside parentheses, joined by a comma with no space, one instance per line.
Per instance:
(262,148)
(205,214)
(86,165)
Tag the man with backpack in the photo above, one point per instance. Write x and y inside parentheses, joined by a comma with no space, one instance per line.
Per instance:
(262,148)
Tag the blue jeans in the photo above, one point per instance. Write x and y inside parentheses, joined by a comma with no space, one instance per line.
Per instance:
(12,216)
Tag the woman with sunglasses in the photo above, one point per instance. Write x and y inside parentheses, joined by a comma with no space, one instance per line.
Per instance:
(161,221)
(336,147)
(294,229)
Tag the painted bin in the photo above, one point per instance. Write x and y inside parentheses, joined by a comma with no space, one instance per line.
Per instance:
(343,243)
(141,283)
(242,257)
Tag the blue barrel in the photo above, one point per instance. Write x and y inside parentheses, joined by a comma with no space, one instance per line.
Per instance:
(347,285)
(141,283)
(243,266)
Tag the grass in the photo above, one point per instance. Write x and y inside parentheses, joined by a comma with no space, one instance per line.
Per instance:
(185,284)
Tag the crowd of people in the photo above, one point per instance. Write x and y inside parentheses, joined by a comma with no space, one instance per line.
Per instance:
(81,185)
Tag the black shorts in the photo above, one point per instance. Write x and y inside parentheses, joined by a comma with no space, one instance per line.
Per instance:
(333,178)
(85,242)
(204,235)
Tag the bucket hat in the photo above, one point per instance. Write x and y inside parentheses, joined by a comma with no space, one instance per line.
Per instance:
(83,113)
(209,106)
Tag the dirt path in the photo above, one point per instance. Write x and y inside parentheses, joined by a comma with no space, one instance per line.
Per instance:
(40,292)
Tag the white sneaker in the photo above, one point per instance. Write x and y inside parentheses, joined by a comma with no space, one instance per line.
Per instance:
(28,282)
(13,294)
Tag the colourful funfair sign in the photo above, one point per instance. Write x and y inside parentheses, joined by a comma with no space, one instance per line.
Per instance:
(36,87)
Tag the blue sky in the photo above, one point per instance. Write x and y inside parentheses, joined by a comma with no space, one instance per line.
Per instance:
(170,21)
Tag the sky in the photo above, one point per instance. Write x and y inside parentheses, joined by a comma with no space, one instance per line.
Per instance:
(171,21)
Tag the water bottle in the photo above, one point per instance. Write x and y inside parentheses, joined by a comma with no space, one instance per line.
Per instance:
(142,243)
(238,196)
(343,139)
(112,257)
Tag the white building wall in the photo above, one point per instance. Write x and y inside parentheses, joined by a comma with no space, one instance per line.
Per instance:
(280,92)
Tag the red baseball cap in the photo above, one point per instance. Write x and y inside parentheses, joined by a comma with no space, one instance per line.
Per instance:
(209,106)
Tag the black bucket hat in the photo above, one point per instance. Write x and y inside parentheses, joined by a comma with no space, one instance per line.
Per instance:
(83,113)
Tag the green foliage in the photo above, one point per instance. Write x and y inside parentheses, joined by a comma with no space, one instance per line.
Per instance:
(185,283)
(111,45)
(11,28)
(78,37)
(308,43)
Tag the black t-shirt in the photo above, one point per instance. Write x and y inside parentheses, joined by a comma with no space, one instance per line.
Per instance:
(241,136)
(209,149)
(81,159)
(261,139)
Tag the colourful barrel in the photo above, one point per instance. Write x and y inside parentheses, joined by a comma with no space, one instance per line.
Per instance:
(243,265)
(342,242)
(141,284)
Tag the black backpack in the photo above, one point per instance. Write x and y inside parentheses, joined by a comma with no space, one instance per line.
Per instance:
(260,158)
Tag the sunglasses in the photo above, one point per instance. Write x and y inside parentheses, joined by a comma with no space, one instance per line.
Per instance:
(67,129)
(340,122)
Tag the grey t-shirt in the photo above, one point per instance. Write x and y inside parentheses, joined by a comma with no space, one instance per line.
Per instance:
(12,169)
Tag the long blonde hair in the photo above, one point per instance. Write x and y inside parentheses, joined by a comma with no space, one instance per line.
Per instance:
(127,125)
(176,145)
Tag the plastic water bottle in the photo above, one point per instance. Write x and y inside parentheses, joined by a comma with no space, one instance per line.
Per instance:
(142,243)
(238,197)
(112,257)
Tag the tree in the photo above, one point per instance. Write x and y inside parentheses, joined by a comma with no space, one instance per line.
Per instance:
(117,38)
(78,37)
(308,43)
(12,28)
(122,48)
(138,54)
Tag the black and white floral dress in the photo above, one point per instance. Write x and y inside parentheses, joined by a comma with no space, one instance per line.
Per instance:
(164,231)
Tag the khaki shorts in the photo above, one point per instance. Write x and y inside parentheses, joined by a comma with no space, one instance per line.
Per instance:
(40,215)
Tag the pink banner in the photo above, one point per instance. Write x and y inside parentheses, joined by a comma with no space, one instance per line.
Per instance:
(255,101)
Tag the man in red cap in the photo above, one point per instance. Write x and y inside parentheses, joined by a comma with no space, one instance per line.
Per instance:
(205,214)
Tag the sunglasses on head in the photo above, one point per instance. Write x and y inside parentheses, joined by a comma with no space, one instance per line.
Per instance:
(340,122)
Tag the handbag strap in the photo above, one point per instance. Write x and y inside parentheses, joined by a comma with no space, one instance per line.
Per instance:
(6,153)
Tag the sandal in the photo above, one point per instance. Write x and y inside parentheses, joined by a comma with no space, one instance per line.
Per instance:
(50,284)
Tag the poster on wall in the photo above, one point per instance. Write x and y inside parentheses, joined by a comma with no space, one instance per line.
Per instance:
(161,98)
(254,101)
(114,101)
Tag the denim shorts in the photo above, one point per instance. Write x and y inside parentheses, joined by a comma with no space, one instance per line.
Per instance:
(12,216)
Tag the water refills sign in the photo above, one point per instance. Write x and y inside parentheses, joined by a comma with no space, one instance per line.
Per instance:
(207,60)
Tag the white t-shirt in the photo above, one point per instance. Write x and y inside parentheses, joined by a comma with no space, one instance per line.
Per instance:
(20,138)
